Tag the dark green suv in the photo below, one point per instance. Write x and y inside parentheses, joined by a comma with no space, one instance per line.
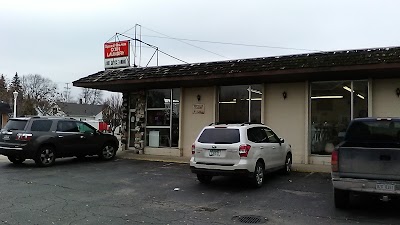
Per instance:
(45,139)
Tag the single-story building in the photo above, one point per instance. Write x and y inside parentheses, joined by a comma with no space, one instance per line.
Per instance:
(308,99)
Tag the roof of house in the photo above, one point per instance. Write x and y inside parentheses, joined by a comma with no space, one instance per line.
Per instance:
(278,67)
(75,109)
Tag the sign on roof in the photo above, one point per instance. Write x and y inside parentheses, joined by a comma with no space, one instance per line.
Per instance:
(116,54)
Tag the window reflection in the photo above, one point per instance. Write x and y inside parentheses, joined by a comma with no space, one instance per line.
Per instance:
(234,103)
(159,98)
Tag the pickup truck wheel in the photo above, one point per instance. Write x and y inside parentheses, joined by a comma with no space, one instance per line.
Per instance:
(342,198)
(108,152)
(204,179)
(258,175)
(46,156)
(16,160)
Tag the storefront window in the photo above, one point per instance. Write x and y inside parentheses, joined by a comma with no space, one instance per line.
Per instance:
(162,118)
(241,103)
(360,99)
(331,111)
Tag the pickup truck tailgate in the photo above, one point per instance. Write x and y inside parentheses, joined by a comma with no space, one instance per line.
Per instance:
(369,163)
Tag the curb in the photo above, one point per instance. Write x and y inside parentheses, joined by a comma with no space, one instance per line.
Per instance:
(302,168)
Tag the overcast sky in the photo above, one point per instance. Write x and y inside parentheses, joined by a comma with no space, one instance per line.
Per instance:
(63,40)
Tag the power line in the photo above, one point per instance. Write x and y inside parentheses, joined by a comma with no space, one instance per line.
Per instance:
(227,43)
(182,40)
(154,47)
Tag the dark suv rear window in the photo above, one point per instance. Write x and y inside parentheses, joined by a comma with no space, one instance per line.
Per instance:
(220,136)
(15,124)
(379,130)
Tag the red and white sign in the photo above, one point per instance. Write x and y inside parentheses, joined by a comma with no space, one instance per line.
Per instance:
(116,54)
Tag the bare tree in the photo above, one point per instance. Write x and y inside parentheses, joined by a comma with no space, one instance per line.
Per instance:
(91,96)
(41,91)
(112,112)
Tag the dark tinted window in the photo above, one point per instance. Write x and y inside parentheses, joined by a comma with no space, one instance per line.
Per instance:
(257,135)
(67,126)
(383,130)
(220,136)
(41,125)
(15,124)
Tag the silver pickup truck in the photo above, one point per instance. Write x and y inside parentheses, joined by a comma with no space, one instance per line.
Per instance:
(368,160)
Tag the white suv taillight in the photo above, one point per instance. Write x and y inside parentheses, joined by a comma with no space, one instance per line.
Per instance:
(193,149)
(24,137)
(244,150)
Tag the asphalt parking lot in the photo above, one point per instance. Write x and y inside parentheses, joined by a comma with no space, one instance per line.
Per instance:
(143,192)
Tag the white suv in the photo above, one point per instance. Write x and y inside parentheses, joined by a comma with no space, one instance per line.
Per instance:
(239,149)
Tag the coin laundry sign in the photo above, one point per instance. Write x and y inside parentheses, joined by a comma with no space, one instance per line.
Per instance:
(116,54)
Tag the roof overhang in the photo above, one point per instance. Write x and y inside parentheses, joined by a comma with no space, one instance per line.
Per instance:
(320,66)
(391,70)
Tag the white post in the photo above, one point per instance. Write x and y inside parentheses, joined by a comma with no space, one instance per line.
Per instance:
(15,93)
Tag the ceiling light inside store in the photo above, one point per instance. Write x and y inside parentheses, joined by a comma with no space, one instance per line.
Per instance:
(327,97)
(231,102)
(255,91)
(254,99)
(347,88)
(166,100)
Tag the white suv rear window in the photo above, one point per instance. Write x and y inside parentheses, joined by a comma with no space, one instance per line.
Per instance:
(220,136)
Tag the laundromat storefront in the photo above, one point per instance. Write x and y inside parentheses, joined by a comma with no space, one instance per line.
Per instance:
(308,99)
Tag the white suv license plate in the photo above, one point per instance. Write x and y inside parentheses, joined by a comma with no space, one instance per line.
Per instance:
(214,152)
(385,187)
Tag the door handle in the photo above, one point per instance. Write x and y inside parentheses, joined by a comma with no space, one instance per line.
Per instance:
(261,147)
(60,136)
(273,147)
(82,137)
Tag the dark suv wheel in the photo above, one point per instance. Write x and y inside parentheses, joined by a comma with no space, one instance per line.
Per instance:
(108,151)
(46,156)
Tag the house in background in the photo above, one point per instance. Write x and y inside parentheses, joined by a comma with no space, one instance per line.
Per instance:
(83,112)
(5,110)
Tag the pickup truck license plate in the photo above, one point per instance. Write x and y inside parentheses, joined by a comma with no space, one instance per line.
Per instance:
(385,187)
(214,152)
(6,137)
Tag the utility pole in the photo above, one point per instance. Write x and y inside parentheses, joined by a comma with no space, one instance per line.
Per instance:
(66,95)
